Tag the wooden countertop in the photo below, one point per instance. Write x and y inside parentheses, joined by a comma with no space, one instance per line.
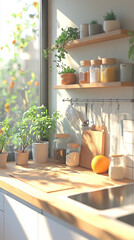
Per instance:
(44,184)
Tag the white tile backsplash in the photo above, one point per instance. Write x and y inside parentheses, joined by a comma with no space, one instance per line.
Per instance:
(129,161)
(127,147)
(128,126)
(128,137)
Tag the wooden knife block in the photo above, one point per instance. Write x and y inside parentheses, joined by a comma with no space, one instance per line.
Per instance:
(92,144)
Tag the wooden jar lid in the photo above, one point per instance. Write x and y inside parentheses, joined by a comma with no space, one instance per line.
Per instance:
(108,61)
(62,135)
(73,145)
(97,62)
(85,63)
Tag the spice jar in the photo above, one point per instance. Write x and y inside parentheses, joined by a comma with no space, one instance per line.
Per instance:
(84,72)
(73,154)
(95,71)
(117,167)
(59,147)
(108,70)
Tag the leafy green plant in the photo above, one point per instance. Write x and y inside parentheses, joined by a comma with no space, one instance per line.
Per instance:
(21,133)
(67,35)
(41,122)
(67,70)
(131,46)
(94,22)
(5,133)
(110,16)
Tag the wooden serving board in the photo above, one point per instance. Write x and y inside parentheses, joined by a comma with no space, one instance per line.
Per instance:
(92,144)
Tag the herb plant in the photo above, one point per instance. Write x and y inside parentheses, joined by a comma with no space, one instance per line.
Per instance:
(110,16)
(94,22)
(67,70)
(41,122)
(67,35)
(131,46)
(21,133)
(5,133)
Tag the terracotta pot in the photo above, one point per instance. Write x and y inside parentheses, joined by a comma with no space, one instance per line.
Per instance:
(21,158)
(111,25)
(40,151)
(3,159)
(68,78)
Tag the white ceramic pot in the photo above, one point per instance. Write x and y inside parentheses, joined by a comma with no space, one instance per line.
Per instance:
(3,159)
(84,30)
(21,158)
(111,25)
(40,151)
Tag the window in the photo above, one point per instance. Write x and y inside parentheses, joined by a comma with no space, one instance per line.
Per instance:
(20,54)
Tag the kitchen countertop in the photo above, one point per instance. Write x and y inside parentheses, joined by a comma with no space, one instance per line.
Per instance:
(46,185)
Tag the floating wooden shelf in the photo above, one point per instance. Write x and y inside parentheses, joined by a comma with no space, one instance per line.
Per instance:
(95,85)
(121,33)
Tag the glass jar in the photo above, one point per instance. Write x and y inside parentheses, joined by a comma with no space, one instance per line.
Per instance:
(117,167)
(108,70)
(84,72)
(95,71)
(73,154)
(59,147)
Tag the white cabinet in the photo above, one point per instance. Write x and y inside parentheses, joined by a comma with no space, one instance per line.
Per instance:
(1,225)
(1,217)
(51,228)
(20,221)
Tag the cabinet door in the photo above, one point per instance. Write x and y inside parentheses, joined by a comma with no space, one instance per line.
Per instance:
(51,228)
(20,221)
(1,225)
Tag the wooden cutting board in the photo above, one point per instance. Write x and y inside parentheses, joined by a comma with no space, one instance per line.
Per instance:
(92,144)
(45,180)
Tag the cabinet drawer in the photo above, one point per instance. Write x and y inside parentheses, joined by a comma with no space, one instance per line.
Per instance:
(1,201)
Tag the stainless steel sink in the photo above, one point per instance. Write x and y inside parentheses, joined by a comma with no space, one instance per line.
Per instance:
(129,219)
(112,197)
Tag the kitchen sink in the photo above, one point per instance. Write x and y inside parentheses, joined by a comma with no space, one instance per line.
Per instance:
(129,219)
(107,198)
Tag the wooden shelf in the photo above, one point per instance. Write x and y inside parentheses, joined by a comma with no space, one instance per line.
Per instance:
(121,33)
(95,85)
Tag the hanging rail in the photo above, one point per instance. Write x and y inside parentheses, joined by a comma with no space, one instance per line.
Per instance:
(79,100)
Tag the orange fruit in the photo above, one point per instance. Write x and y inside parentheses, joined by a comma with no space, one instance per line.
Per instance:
(100,164)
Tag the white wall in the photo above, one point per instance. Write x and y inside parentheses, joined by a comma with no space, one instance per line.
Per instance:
(73,13)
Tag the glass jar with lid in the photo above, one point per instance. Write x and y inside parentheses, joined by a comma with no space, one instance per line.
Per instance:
(73,154)
(59,147)
(95,71)
(108,70)
(84,72)
(117,166)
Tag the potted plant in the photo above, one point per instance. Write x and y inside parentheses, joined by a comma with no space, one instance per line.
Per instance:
(67,36)
(21,134)
(94,28)
(68,76)
(41,124)
(131,46)
(110,22)
(5,134)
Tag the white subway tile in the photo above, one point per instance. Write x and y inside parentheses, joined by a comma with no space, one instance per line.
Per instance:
(128,125)
(127,149)
(128,137)
(129,161)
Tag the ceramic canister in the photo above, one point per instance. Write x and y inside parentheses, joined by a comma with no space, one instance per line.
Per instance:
(126,72)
